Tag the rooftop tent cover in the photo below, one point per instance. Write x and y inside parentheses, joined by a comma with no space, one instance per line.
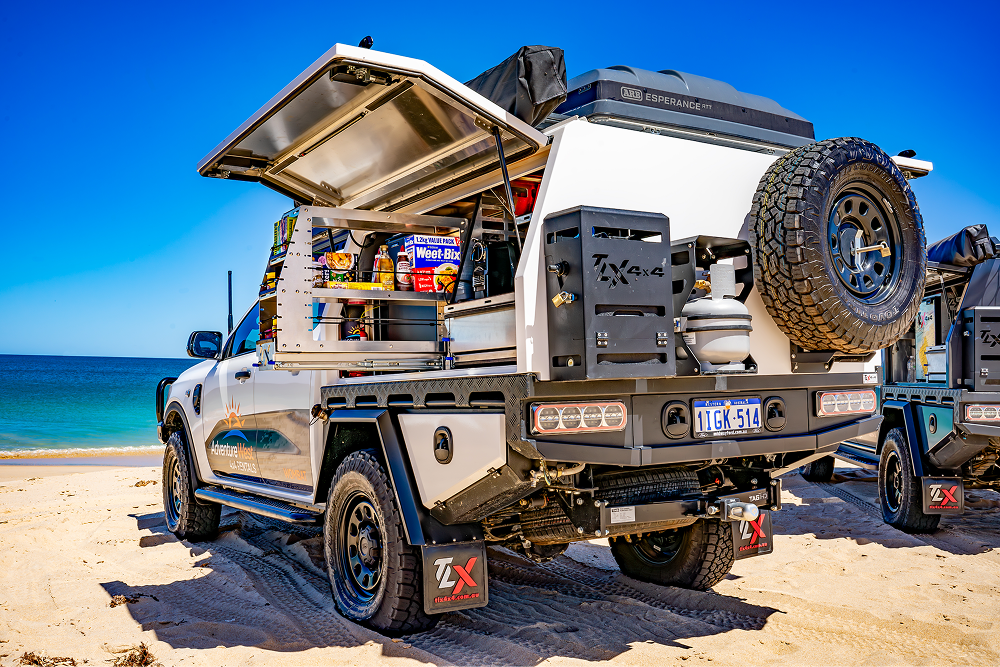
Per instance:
(530,84)
(968,247)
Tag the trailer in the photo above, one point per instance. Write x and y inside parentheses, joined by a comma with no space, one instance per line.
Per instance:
(523,312)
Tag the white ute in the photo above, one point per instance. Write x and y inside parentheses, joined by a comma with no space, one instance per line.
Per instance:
(654,300)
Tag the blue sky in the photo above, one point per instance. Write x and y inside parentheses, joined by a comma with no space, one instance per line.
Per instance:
(116,246)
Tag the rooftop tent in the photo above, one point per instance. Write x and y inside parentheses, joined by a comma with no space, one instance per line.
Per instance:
(530,84)
(364,129)
(670,99)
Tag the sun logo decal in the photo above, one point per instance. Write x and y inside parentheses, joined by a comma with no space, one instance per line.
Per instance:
(234,420)
(233,417)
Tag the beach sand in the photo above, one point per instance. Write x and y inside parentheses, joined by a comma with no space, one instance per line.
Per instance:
(840,588)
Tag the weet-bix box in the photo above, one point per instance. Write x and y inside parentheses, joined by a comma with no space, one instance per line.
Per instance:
(433,262)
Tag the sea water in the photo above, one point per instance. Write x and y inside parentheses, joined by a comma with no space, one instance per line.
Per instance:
(80,406)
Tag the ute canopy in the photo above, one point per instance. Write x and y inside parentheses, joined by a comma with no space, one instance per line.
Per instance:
(364,129)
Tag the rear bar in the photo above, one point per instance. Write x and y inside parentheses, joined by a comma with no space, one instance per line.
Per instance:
(713,449)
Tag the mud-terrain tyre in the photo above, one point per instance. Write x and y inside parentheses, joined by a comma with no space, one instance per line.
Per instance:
(376,577)
(812,208)
(899,490)
(696,556)
(186,517)
(820,470)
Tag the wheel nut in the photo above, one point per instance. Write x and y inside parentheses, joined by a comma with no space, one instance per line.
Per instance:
(579,501)
(597,533)
(580,530)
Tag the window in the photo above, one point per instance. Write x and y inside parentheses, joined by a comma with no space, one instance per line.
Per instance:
(246,335)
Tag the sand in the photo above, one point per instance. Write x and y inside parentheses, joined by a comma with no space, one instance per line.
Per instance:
(840,588)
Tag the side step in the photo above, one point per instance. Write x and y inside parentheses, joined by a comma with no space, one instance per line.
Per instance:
(858,456)
(273,509)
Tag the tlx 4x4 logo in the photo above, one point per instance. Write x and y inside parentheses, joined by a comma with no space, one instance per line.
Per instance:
(941,497)
(445,569)
(753,530)
(619,273)
(989,337)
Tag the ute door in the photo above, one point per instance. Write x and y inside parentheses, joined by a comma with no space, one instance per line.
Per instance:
(281,400)
(230,426)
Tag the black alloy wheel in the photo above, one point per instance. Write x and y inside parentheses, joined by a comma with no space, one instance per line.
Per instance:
(658,549)
(893,482)
(361,538)
(865,241)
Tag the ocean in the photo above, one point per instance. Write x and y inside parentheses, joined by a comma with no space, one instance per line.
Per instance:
(80,406)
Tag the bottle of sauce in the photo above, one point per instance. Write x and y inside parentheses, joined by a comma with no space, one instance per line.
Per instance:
(404,279)
(384,272)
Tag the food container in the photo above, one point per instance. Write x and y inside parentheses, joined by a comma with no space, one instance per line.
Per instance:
(433,262)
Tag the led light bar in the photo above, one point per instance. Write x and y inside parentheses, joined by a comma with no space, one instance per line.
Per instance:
(853,402)
(982,413)
(577,417)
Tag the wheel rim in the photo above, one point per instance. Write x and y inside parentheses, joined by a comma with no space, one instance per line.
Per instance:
(174,498)
(658,549)
(893,482)
(361,540)
(859,220)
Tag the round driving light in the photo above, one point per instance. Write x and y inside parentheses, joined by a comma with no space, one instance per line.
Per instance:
(571,417)
(614,415)
(592,416)
(548,419)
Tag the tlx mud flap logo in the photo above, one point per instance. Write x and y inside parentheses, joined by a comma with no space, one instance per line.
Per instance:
(752,538)
(454,577)
(621,273)
(943,495)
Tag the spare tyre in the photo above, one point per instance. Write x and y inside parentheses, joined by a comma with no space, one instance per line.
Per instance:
(838,247)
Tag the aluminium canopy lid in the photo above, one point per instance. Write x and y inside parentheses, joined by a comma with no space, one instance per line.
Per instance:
(364,129)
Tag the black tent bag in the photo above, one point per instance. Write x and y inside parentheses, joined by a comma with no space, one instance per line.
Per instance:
(530,84)
(968,247)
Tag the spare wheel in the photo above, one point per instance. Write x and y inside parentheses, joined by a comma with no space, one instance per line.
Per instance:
(838,247)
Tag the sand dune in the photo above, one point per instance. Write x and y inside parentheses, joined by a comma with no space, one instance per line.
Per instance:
(841,588)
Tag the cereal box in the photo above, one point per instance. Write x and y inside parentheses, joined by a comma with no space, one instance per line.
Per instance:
(433,262)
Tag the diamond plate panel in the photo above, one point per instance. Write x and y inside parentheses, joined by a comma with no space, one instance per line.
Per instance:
(515,387)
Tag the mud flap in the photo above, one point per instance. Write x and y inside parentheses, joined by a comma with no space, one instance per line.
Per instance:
(455,577)
(753,538)
(943,495)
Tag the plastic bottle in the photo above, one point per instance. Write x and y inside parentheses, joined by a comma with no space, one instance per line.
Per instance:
(384,272)
(404,280)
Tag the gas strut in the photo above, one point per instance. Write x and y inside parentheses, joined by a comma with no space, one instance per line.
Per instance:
(506,183)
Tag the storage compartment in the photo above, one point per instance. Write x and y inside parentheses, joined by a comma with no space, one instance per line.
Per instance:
(610,297)
(981,329)
(482,331)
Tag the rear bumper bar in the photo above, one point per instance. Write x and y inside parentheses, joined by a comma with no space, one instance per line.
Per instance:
(819,441)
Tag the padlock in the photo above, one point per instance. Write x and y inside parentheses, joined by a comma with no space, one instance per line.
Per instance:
(563,297)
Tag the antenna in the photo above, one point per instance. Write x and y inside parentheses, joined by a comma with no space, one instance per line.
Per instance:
(230,302)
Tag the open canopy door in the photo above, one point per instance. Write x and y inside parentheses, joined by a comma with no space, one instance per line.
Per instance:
(363,129)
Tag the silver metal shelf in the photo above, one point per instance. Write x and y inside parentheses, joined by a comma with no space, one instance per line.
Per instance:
(373,295)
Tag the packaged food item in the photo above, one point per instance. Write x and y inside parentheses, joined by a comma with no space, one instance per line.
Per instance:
(341,266)
(433,262)
(384,272)
(404,279)
(376,287)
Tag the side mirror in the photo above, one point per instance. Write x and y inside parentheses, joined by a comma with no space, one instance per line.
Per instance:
(204,344)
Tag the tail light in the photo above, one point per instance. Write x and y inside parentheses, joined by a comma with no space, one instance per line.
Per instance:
(577,417)
(982,413)
(854,402)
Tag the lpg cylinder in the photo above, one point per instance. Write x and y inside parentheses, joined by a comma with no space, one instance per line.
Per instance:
(717,328)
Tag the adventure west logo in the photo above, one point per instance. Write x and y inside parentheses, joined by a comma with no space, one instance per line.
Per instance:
(240,454)
(443,575)
(617,274)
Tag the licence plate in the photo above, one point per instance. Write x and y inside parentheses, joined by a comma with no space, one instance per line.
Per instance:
(730,416)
